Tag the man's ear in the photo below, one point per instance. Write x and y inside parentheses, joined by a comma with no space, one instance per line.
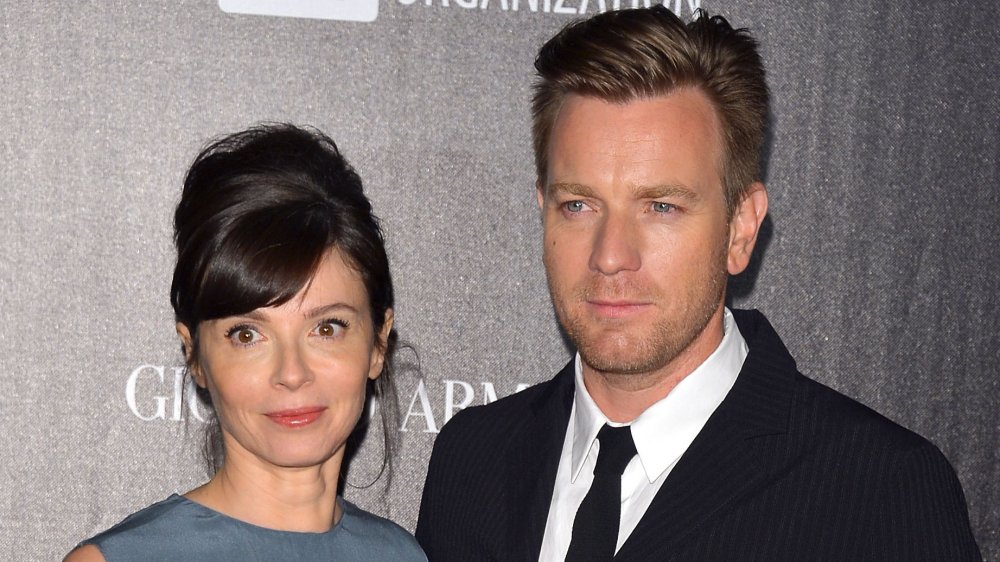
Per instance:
(744,226)
(381,346)
(189,359)
(540,194)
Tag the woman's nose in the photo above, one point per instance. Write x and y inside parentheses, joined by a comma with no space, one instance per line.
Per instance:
(292,371)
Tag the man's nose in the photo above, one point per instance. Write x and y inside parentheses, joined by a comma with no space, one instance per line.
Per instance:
(616,245)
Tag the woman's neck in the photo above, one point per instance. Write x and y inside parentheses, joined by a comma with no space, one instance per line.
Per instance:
(288,499)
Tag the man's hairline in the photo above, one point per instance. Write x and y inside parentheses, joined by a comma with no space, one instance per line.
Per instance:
(542,183)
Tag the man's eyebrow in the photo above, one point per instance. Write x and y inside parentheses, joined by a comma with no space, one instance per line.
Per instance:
(577,189)
(665,191)
(639,192)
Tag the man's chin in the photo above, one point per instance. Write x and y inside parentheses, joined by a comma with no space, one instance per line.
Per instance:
(624,358)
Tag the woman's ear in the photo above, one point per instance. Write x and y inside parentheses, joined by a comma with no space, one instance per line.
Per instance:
(189,359)
(381,346)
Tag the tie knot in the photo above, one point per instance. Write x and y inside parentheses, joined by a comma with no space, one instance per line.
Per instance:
(617,449)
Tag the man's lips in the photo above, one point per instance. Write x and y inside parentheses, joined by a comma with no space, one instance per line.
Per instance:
(616,308)
(297,417)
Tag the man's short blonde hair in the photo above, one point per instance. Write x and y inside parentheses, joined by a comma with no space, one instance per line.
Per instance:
(624,55)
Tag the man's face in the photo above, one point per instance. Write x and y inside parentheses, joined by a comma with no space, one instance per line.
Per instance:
(637,242)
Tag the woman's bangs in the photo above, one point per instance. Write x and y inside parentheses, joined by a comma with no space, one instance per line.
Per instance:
(263,261)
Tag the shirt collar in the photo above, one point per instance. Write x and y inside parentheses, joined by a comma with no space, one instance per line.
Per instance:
(665,430)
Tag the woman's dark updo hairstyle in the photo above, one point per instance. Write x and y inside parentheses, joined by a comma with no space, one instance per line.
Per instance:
(259,210)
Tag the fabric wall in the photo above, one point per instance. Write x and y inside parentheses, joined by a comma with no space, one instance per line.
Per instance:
(878,263)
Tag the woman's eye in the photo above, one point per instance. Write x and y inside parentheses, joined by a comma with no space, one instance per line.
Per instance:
(330,328)
(661,207)
(244,335)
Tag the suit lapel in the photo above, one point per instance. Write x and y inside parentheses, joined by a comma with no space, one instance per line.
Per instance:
(532,476)
(725,462)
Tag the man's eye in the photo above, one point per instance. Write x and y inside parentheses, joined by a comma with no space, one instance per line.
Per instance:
(574,206)
(661,207)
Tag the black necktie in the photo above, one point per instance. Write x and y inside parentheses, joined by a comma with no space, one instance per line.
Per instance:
(595,529)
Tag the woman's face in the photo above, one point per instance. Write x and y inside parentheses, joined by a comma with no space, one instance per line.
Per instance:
(288,382)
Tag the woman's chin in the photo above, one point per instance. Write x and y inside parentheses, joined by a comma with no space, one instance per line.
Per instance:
(301,456)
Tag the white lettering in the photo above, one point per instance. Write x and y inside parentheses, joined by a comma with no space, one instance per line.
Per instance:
(503,5)
(561,6)
(354,10)
(181,390)
(560,9)
(190,395)
(532,5)
(425,409)
(130,393)
(153,394)
(450,406)
(178,392)
(489,393)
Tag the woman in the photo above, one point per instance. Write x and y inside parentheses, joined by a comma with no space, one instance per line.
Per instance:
(283,301)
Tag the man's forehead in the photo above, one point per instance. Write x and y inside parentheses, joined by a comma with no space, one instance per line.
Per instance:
(649,144)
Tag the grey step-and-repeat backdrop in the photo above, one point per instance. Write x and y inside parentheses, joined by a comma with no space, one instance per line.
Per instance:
(878,263)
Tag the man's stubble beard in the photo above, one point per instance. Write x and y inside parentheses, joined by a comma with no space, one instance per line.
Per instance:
(635,354)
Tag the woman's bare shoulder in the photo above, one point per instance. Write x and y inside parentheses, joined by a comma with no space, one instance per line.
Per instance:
(85,553)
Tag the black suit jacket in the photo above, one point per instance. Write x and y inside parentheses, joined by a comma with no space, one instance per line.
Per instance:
(785,469)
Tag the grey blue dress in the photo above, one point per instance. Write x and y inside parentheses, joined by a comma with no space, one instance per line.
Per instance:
(179,529)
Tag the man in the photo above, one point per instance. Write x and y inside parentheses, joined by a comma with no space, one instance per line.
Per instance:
(682,430)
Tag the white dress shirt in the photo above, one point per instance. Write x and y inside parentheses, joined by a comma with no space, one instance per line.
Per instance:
(662,433)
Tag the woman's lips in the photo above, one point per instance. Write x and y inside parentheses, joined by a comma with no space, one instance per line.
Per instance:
(297,417)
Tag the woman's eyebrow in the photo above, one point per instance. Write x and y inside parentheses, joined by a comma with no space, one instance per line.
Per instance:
(328,308)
